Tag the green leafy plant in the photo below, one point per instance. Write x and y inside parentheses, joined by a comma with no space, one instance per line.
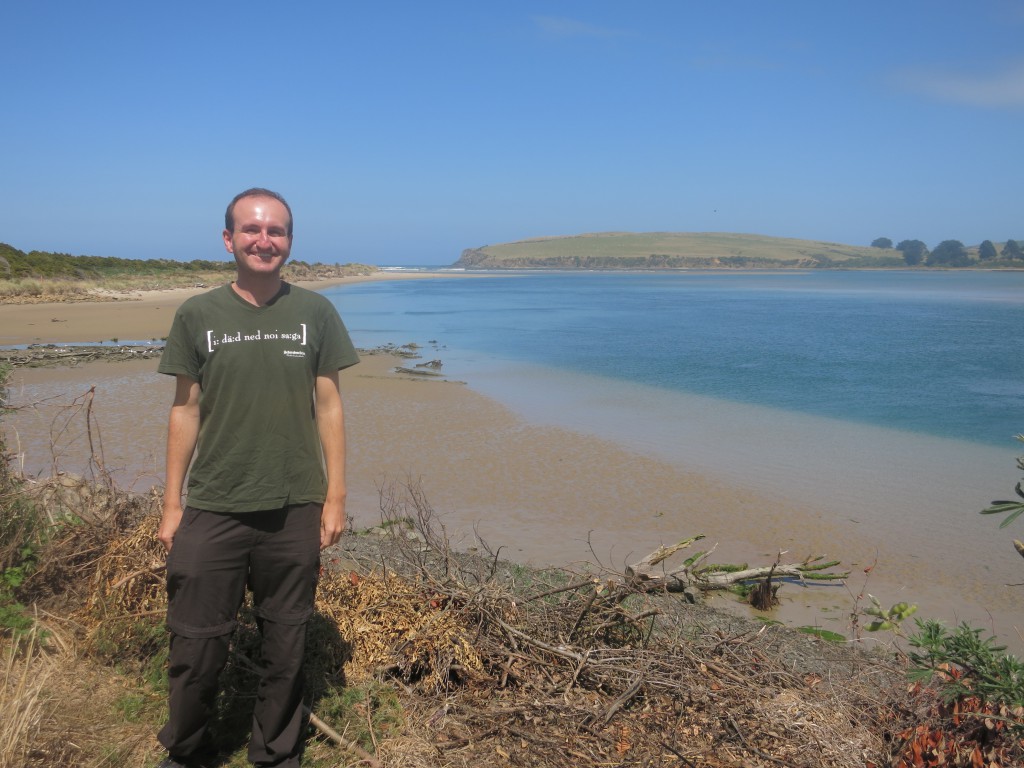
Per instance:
(966,664)
(1012,509)
(13,615)
(823,634)
(888,619)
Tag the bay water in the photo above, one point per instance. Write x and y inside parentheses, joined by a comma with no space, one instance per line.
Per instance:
(889,400)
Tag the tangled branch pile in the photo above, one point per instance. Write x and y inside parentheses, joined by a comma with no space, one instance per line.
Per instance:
(498,664)
(495,664)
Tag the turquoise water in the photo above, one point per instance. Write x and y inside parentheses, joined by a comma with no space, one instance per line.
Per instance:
(886,403)
(932,353)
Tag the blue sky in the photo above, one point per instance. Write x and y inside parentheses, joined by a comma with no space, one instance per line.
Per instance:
(403,132)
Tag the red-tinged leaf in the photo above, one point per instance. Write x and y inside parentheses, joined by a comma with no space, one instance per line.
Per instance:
(353,578)
(915,751)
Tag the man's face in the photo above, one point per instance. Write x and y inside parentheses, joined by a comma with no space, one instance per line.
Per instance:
(260,242)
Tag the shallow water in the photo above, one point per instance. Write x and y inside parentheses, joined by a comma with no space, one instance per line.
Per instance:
(888,401)
(935,353)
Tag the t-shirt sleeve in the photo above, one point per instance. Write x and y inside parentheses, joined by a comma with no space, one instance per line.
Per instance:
(179,356)
(336,349)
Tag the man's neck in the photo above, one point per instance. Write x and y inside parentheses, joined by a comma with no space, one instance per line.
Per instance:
(257,292)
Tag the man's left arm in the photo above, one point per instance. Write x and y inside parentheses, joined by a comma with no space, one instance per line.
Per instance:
(330,421)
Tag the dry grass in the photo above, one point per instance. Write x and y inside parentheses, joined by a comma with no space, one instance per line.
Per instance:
(37,290)
(484,659)
(26,675)
(58,709)
(34,290)
(30,290)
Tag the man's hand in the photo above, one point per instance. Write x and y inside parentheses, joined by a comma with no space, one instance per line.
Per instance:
(332,523)
(169,523)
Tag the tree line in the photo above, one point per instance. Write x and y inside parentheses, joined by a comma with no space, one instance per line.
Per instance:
(18,265)
(952,253)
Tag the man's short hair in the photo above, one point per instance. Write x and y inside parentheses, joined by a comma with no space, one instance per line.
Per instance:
(229,214)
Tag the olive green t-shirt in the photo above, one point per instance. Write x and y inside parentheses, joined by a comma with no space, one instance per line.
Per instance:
(259,447)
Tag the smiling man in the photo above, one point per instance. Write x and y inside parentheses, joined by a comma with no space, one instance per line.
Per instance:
(257,404)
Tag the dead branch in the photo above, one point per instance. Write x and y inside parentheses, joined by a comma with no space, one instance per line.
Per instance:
(624,699)
(643,576)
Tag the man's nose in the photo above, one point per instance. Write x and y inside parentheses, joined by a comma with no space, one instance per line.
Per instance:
(263,240)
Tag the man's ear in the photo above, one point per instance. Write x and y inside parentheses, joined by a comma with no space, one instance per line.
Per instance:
(227,241)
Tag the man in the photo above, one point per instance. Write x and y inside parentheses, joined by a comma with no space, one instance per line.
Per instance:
(256,365)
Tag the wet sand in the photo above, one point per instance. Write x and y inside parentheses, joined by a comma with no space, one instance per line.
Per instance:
(546,495)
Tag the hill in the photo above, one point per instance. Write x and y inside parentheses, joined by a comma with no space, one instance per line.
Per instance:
(674,250)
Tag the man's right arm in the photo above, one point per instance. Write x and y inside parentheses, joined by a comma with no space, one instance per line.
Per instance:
(182,435)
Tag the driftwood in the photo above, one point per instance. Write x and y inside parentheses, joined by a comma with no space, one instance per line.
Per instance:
(38,355)
(645,575)
(416,372)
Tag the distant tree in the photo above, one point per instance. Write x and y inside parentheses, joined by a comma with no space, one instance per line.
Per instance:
(881,242)
(987,251)
(949,253)
(913,251)
(1012,250)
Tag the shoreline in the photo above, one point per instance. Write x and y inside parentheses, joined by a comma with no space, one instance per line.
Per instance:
(134,316)
(538,494)
(545,494)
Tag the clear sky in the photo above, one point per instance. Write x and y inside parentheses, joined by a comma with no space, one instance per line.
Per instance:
(403,132)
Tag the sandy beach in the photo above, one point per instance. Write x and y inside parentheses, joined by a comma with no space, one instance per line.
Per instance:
(545,495)
(136,316)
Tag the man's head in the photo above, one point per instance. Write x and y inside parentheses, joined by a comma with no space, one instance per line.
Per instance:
(229,214)
(258,232)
